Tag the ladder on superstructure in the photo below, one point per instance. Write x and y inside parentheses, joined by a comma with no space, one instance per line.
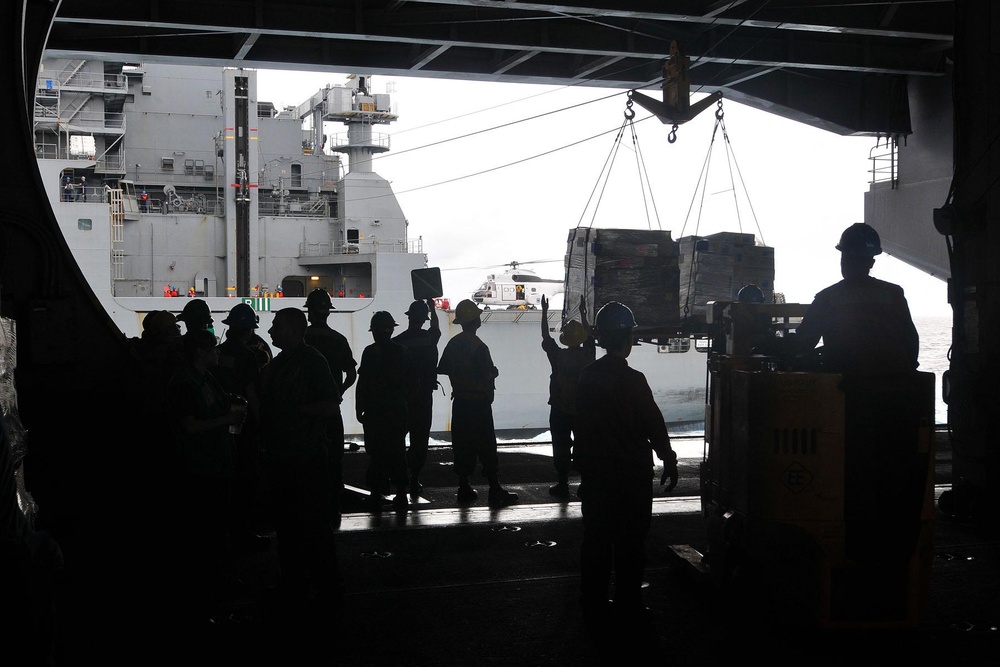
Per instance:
(117,206)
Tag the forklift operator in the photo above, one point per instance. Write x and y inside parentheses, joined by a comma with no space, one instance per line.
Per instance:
(864,322)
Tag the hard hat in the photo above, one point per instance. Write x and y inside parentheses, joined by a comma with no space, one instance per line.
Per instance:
(158,322)
(242,316)
(196,313)
(319,299)
(466,311)
(615,316)
(860,239)
(382,321)
(750,294)
(573,334)
(418,309)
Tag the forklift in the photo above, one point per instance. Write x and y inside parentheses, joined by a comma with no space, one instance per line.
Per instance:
(817,488)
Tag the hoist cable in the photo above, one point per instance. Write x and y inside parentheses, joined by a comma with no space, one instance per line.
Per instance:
(732,182)
(638,168)
(605,174)
(703,184)
(746,193)
(645,174)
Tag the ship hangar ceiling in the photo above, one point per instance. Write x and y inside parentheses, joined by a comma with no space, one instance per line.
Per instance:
(839,65)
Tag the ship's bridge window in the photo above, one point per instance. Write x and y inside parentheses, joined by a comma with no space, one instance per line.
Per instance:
(84,224)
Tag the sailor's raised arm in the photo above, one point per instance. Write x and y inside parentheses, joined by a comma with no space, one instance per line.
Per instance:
(432,314)
(545,318)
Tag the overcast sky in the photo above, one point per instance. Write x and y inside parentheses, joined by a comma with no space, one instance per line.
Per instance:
(797,187)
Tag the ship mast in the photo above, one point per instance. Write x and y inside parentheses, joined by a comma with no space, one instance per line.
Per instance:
(366,110)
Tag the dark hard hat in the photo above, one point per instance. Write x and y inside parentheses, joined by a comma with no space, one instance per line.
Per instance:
(750,294)
(382,321)
(615,316)
(158,322)
(195,313)
(241,316)
(860,239)
(466,311)
(417,309)
(319,299)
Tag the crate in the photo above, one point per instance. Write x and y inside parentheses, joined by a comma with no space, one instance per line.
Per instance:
(717,266)
(636,267)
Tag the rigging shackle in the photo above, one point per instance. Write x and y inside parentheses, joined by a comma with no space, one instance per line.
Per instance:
(629,111)
(718,112)
(672,136)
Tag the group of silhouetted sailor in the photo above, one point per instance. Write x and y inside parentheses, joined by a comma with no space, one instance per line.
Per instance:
(396,383)
(226,416)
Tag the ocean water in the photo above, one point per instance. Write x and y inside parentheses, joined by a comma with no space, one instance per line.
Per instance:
(935,343)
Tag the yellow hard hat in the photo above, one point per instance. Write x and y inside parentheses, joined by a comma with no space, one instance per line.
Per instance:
(573,334)
(466,311)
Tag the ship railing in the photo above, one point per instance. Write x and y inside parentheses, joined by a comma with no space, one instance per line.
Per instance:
(319,208)
(374,140)
(95,121)
(84,81)
(366,247)
(110,164)
(884,163)
(46,151)
(45,113)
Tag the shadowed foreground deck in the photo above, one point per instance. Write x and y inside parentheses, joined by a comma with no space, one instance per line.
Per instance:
(441,585)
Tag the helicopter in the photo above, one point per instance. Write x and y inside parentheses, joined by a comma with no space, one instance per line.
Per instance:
(516,288)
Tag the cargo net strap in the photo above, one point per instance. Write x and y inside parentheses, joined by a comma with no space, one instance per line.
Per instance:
(699,196)
(602,179)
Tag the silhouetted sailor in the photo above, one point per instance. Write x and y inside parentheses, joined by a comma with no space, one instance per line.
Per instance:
(239,375)
(337,351)
(566,363)
(869,337)
(618,428)
(196,315)
(423,346)
(467,362)
(158,354)
(386,382)
(864,323)
(298,397)
(202,414)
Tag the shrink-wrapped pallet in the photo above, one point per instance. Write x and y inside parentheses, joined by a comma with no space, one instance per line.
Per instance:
(717,266)
(636,267)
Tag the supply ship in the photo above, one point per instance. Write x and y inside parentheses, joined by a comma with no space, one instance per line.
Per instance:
(173,182)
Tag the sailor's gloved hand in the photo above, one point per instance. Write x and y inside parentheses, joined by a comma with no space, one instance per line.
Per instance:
(669,471)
